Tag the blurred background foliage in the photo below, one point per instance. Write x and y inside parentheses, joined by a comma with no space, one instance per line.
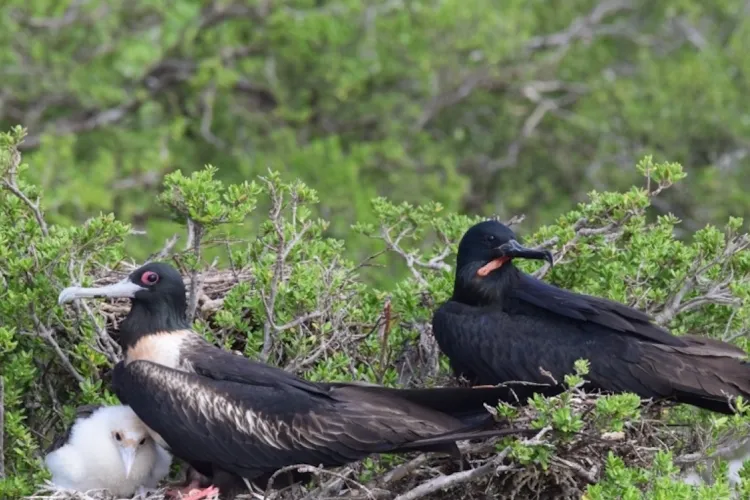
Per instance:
(485,110)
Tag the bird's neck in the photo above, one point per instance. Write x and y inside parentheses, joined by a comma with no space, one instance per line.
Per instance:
(146,318)
(493,289)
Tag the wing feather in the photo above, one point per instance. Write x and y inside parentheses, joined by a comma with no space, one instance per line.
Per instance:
(595,311)
(250,429)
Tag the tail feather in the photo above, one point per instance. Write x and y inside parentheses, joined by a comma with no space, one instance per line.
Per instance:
(704,374)
(466,403)
(462,435)
(446,443)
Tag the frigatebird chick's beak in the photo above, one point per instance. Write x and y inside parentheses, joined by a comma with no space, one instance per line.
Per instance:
(127,452)
(124,288)
(510,250)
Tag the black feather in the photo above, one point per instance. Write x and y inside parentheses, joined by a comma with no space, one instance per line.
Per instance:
(508,326)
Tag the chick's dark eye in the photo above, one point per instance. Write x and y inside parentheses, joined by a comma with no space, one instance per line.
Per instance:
(118,436)
(142,441)
(149,278)
(490,238)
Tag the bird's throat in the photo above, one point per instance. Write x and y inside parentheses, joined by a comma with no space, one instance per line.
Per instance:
(162,348)
(491,266)
(147,318)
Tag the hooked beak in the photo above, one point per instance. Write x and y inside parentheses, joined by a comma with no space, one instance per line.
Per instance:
(128,458)
(124,288)
(514,249)
(511,250)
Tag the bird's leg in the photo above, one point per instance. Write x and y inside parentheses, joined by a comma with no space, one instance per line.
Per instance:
(212,492)
(194,480)
(192,491)
(177,493)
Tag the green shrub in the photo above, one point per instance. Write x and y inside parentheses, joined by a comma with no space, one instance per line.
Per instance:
(288,295)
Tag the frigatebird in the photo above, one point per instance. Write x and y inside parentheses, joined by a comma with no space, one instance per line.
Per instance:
(501,324)
(107,448)
(230,417)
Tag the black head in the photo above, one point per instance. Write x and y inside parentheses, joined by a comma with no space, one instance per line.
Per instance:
(485,256)
(157,294)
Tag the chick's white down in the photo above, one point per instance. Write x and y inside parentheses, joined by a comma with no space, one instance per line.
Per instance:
(110,450)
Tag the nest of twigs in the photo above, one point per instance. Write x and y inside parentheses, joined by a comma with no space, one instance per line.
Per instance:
(489,468)
(52,492)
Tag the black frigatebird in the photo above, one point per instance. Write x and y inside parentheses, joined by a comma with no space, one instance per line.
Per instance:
(502,324)
(230,417)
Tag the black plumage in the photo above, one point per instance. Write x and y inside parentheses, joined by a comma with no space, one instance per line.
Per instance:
(231,417)
(502,324)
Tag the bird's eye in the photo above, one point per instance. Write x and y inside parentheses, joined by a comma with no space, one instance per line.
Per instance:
(142,441)
(149,278)
(490,238)
(118,436)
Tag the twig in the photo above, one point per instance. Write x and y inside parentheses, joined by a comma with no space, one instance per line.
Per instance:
(282,250)
(278,271)
(195,234)
(298,321)
(112,348)
(412,262)
(384,351)
(165,250)
(587,475)
(444,482)
(11,184)
(404,470)
(46,334)
(316,471)
(718,293)
(612,229)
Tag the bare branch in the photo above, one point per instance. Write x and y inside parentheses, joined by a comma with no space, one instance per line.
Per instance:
(195,235)
(47,334)
(302,319)
(450,481)
(719,293)
(412,262)
(10,182)
(165,250)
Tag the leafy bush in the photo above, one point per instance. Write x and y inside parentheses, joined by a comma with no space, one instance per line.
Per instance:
(519,109)
(285,293)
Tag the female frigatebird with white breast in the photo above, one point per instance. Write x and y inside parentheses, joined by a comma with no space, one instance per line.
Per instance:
(231,418)
(502,324)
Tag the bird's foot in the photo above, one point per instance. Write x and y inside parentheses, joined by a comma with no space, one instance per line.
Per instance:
(143,492)
(190,492)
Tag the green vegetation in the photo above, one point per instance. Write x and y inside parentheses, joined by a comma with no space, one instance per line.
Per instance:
(290,295)
(519,109)
(352,143)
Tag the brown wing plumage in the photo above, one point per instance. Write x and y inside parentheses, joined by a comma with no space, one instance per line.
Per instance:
(458,402)
(704,373)
(250,430)
(597,314)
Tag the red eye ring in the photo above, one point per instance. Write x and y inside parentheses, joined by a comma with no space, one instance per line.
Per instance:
(149,278)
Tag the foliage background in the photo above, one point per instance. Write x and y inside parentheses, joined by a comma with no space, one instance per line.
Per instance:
(519,109)
(455,107)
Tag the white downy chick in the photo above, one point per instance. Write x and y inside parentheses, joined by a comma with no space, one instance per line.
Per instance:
(107,448)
